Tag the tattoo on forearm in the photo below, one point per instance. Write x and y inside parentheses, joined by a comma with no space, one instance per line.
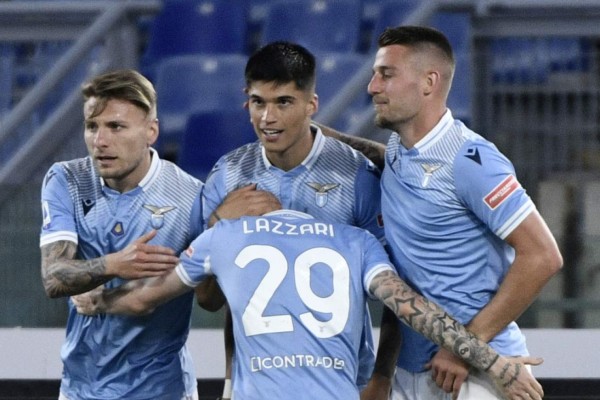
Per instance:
(62,275)
(430,320)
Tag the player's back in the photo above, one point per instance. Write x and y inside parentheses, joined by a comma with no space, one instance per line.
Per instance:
(295,287)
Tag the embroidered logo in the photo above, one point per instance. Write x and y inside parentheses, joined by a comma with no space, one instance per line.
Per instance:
(473,154)
(87,205)
(118,230)
(321,191)
(429,170)
(158,214)
(501,192)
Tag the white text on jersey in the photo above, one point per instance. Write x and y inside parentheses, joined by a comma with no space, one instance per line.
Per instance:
(285,228)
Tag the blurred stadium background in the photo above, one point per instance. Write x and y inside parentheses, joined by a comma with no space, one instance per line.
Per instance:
(527,78)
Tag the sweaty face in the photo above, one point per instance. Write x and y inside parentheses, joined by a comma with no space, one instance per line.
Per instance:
(281,115)
(396,86)
(118,140)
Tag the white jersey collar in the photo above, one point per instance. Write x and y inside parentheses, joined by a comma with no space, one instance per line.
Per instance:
(288,214)
(434,135)
(312,156)
(150,176)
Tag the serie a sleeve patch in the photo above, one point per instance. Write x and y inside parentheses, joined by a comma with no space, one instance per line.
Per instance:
(501,192)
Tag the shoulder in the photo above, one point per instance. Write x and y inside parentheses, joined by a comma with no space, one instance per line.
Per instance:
(478,153)
(76,171)
(338,152)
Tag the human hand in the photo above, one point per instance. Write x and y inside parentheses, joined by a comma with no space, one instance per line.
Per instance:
(378,388)
(514,380)
(248,201)
(448,371)
(140,259)
(87,303)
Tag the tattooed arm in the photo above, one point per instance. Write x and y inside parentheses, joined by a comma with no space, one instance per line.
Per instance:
(371,149)
(433,322)
(64,275)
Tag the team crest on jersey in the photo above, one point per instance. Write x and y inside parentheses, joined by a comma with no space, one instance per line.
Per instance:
(322,191)
(118,230)
(158,214)
(501,192)
(429,170)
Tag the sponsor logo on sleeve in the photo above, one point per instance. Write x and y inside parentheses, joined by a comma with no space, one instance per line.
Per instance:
(501,192)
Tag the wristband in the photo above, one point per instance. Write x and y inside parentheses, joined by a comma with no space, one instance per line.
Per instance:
(227,389)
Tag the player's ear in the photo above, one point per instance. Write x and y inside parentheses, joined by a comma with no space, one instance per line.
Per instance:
(152,131)
(313,105)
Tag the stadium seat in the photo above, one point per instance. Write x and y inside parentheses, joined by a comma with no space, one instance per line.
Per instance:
(7,64)
(193,27)
(191,83)
(333,71)
(460,98)
(391,13)
(456,26)
(318,25)
(209,135)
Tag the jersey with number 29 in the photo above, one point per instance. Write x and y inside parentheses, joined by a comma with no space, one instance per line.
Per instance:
(296,288)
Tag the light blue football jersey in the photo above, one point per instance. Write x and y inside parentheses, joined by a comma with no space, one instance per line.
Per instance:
(335,183)
(124,357)
(296,287)
(448,204)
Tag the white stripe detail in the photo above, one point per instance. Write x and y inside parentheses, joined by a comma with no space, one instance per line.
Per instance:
(373,273)
(514,221)
(183,275)
(58,236)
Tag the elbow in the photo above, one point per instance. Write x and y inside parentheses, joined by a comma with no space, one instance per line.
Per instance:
(54,291)
(550,263)
(210,300)
(141,308)
(554,261)
(211,305)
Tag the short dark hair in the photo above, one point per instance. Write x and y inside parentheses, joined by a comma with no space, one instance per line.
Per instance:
(282,62)
(417,37)
(125,84)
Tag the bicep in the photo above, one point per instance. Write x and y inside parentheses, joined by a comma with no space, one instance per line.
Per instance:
(532,238)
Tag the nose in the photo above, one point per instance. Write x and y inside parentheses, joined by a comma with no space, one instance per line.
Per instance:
(374,86)
(268,114)
(101,137)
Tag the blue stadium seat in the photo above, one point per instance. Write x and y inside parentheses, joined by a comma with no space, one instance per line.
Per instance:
(318,25)
(391,14)
(191,83)
(460,98)
(209,135)
(457,28)
(195,26)
(7,75)
(334,70)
